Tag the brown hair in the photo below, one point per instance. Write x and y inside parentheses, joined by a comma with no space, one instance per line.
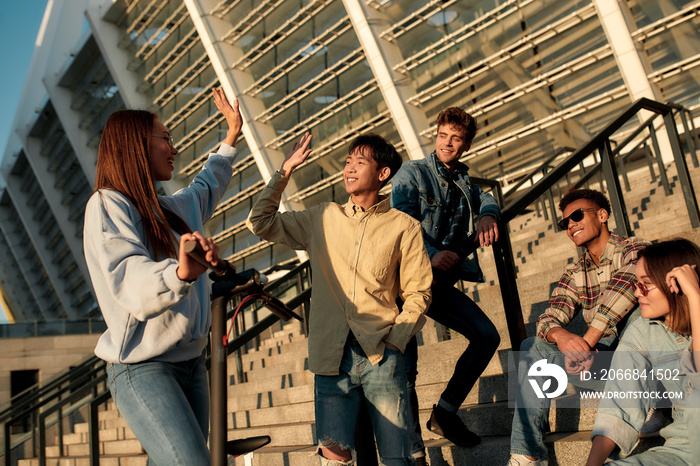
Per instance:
(660,259)
(123,166)
(455,116)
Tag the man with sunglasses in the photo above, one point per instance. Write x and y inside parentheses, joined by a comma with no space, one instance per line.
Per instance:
(600,285)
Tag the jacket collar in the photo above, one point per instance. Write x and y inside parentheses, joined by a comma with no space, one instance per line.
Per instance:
(461,169)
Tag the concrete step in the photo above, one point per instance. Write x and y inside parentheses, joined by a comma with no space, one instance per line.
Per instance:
(566,449)
(117,433)
(263,385)
(116,447)
(279,397)
(272,353)
(297,435)
(295,362)
(105,460)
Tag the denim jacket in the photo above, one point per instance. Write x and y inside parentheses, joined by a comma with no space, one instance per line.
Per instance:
(420,191)
(646,346)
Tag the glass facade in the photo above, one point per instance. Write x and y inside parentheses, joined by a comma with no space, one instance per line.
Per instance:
(539,76)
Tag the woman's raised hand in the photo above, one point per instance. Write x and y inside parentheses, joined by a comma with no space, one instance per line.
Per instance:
(684,279)
(232,114)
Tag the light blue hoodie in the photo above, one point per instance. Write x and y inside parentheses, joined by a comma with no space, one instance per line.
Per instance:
(150,313)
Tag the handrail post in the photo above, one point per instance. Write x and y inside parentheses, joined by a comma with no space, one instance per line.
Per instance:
(503,257)
(59,427)
(552,209)
(8,443)
(650,161)
(93,426)
(617,202)
(682,168)
(659,161)
(693,133)
(217,377)
(621,170)
(688,138)
(239,330)
(41,451)
(94,436)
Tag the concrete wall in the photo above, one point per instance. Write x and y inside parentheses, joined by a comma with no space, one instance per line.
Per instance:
(48,355)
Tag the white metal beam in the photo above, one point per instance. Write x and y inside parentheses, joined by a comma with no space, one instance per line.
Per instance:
(8,227)
(32,226)
(70,120)
(108,36)
(211,29)
(61,212)
(617,23)
(382,56)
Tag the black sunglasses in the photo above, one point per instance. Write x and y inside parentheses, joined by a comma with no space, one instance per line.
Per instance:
(576,216)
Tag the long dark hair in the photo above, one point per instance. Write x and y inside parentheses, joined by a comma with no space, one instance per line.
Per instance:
(123,166)
(660,259)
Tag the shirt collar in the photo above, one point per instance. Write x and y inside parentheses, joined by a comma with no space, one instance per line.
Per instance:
(352,209)
(609,250)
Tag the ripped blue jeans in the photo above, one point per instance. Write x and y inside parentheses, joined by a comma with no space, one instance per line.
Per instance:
(382,387)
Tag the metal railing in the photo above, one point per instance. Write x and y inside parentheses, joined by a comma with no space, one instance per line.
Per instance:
(609,160)
(85,386)
(49,401)
(643,138)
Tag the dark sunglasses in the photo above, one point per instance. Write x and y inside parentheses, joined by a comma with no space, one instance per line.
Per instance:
(576,216)
(644,289)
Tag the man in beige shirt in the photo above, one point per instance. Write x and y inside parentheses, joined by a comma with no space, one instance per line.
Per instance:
(363,255)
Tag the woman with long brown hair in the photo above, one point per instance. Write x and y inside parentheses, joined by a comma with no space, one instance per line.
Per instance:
(153,297)
(653,364)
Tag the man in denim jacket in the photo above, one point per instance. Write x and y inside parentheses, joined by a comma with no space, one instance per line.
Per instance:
(437,191)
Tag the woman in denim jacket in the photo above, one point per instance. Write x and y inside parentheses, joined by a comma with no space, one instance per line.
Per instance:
(654,352)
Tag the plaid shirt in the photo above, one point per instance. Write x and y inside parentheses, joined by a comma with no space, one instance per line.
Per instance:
(455,224)
(604,293)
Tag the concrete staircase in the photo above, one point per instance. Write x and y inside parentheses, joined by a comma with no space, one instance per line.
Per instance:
(274,393)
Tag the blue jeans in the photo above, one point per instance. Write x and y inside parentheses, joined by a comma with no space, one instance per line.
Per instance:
(166,405)
(692,419)
(383,387)
(531,413)
(457,311)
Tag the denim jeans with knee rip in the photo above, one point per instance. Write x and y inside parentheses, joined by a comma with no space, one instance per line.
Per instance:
(382,387)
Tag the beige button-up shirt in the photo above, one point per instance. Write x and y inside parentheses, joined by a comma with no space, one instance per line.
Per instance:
(361,261)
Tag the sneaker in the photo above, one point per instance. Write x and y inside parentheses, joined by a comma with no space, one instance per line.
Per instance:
(655,421)
(421,461)
(522,460)
(450,426)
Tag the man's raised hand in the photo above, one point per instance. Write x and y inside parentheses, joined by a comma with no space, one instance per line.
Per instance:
(296,155)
